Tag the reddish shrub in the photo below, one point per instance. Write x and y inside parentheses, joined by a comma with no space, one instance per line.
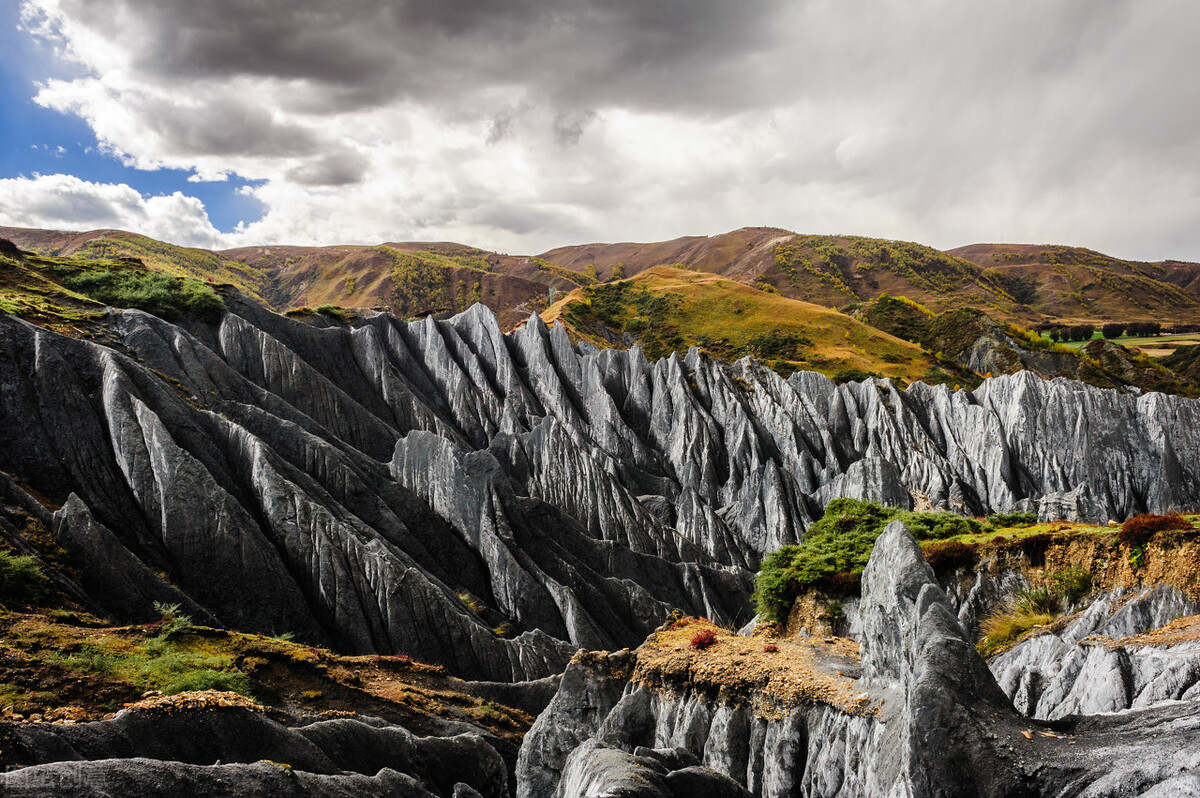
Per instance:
(703,639)
(1138,531)
(1034,547)
(770,648)
(952,554)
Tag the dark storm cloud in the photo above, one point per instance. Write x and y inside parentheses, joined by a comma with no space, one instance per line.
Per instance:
(944,121)
(363,52)
(522,219)
(227,126)
(335,169)
(569,125)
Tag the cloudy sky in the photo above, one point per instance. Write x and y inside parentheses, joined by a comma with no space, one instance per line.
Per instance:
(519,125)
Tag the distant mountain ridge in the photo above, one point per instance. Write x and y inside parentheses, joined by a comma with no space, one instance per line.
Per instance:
(1024,283)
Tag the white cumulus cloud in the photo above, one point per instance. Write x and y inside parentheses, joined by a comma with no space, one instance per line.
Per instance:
(66,202)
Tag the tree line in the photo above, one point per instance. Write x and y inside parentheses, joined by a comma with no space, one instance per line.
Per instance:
(1085,332)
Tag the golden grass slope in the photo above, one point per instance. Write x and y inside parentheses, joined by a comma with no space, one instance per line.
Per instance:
(729,319)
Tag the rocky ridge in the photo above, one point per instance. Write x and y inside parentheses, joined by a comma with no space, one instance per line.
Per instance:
(942,726)
(494,502)
(197,744)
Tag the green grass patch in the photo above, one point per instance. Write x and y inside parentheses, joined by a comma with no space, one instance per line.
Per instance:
(1005,626)
(169,661)
(156,664)
(165,296)
(21,578)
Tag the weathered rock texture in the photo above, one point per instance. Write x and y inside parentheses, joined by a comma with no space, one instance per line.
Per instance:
(231,751)
(1085,669)
(493,502)
(944,727)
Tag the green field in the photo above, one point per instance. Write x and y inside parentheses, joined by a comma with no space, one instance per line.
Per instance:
(1140,341)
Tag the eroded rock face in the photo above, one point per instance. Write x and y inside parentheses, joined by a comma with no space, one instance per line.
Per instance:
(232,751)
(492,502)
(1085,669)
(943,727)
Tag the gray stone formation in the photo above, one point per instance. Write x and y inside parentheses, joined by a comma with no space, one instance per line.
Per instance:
(233,751)
(944,727)
(494,502)
(1085,670)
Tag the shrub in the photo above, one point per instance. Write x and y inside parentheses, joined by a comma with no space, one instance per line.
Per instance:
(1036,601)
(1034,547)
(1004,626)
(172,619)
(836,548)
(1072,584)
(703,639)
(1012,519)
(1138,531)
(21,577)
(161,294)
(852,375)
(333,312)
(940,525)
(951,555)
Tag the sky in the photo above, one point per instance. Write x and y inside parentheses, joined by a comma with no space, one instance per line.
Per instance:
(528,124)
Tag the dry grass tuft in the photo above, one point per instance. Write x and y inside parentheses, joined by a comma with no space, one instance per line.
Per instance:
(1005,626)
(736,669)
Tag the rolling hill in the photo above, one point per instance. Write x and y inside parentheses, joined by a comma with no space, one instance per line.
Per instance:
(1027,284)
(665,309)
(409,279)
(1076,284)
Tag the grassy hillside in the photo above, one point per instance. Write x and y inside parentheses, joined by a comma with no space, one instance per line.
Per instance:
(666,309)
(1072,283)
(66,293)
(740,254)
(974,340)
(187,262)
(1010,282)
(803,586)
(408,279)
(827,270)
(1026,284)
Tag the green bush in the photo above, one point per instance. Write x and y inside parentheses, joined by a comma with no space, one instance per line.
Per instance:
(941,525)
(852,375)
(1012,519)
(161,294)
(333,312)
(1072,584)
(172,619)
(1036,601)
(21,577)
(836,548)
